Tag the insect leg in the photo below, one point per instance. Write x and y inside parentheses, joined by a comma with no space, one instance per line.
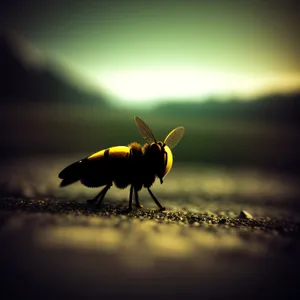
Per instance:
(99,197)
(130,198)
(155,200)
(136,197)
(96,198)
(127,210)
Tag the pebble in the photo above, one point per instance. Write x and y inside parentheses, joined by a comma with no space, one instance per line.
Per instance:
(245,215)
(223,221)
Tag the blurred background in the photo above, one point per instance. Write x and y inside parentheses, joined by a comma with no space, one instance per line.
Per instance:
(75,73)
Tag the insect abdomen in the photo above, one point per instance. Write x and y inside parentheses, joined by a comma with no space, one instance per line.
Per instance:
(107,166)
(71,173)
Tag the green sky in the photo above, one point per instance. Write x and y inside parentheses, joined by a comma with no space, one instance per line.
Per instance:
(147,50)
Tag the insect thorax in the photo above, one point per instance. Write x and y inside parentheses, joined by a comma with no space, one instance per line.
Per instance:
(139,173)
(135,149)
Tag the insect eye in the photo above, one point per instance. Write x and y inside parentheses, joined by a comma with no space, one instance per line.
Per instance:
(155,148)
(165,158)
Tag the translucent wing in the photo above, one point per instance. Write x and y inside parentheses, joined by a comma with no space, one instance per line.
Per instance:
(145,131)
(174,137)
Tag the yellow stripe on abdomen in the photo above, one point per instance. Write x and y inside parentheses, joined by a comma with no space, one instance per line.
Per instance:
(96,155)
(118,151)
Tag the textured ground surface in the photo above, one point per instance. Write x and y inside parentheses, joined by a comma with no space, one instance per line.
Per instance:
(52,245)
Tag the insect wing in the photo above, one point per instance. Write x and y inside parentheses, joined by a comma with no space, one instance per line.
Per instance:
(145,131)
(174,137)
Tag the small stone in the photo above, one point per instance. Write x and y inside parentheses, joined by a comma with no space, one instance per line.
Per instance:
(245,215)
(223,221)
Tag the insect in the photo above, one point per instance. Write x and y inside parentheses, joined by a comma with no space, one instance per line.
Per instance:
(132,165)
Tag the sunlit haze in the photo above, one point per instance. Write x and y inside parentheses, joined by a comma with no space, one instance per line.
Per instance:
(179,84)
(143,51)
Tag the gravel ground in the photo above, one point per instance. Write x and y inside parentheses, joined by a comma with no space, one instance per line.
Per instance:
(54,246)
